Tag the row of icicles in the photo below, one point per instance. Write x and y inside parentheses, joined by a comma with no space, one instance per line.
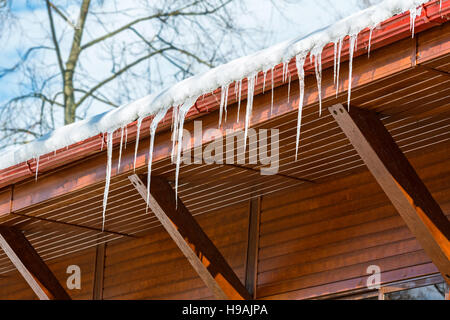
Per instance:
(179,112)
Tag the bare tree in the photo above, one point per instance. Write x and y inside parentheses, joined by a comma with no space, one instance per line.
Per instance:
(85,56)
(108,54)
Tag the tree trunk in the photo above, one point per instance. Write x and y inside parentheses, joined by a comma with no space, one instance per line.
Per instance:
(70,106)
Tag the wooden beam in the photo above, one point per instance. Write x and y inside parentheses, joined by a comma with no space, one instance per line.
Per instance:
(399,181)
(207,261)
(99,271)
(30,265)
(251,266)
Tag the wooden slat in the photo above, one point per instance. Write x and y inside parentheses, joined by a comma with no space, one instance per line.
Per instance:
(191,239)
(400,182)
(31,266)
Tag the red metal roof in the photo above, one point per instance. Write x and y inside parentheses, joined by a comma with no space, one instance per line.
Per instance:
(391,30)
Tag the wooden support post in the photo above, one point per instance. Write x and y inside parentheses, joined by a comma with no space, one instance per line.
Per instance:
(251,266)
(207,261)
(400,182)
(30,265)
(99,271)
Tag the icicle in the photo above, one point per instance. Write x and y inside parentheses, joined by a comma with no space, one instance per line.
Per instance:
(103,142)
(236,88)
(318,69)
(300,62)
(341,40)
(182,114)
(223,103)
(139,122)
(174,130)
(440,6)
(264,80)
(289,88)
(248,113)
(37,168)
(153,126)
(353,39)
(239,99)
(126,136)
(370,41)
(120,149)
(413,14)
(335,60)
(109,148)
(285,70)
(271,103)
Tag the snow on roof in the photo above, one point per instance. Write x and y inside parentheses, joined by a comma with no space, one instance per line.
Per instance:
(221,76)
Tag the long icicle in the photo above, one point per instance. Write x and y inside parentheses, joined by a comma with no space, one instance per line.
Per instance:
(341,40)
(120,149)
(138,132)
(248,113)
(370,41)
(183,110)
(239,99)
(300,62)
(335,60)
(318,69)
(109,148)
(264,80)
(174,130)
(223,102)
(153,126)
(37,168)
(126,137)
(271,101)
(289,88)
(353,40)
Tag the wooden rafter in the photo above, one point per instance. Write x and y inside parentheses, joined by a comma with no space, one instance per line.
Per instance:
(202,254)
(399,181)
(30,265)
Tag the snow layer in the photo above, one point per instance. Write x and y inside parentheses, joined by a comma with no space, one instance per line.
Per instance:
(222,76)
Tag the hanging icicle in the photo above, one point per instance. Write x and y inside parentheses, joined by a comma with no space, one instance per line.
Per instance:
(138,132)
(103,142)
(335,60)
(370,41)
(109,148)
(239,99)
(338,68)
(120,149)
(264,81)
(317,54)
(413,14)
(153,126)
(248,112)
(271,101)
(183,110)
(300,62)
(37,168)
(223,103)
(174,130)
(289,88)
(126,136)
(353,40)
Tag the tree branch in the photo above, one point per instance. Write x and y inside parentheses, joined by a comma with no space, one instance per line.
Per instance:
(55,41)
(116,74)
(159,15)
